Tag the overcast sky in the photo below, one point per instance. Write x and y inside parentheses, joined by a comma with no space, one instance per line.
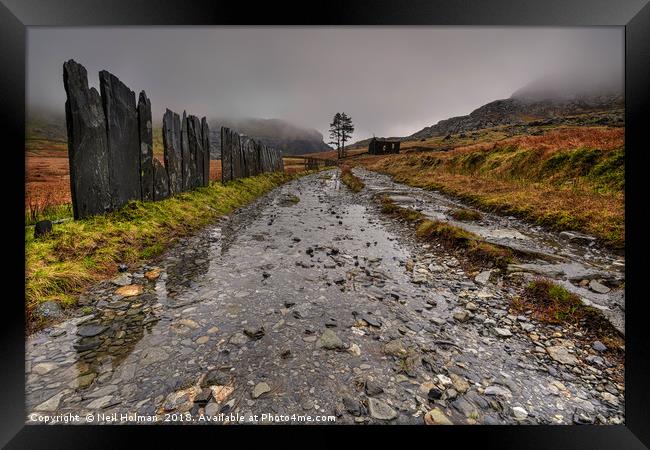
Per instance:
(393,81)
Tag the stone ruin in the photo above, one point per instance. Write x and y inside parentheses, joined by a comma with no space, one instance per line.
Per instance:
(383,146)
(242,156)
(110,146)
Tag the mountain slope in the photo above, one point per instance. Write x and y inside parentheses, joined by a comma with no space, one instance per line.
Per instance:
(601,109)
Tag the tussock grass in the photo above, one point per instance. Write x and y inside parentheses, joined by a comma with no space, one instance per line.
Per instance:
(473,245)
(466,215)
(61,264)
(552,303)
(565,179)
(350,180)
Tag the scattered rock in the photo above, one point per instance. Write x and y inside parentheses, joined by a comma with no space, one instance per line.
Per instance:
(461,316)
(497,391)
(202,340)
(91,330)
(130,290)
(519,412)
(353,406)
(43,368)
(329,340)
(49,310)
(380,410)
(561,355)
(598,287)
(221,393)
(255,333)
(395,348)
(355,350)
(436,417)
(373,388)
(122,280)
(100,402)
(609,398)
(434,393)
(52,403)
(502,332)
(152,275)
(260,389)
(460,383)
(42,228)
(483,277)
(598,346)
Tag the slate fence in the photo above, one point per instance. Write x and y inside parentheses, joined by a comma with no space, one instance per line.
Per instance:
(242,156)
(110,146)
(317,163)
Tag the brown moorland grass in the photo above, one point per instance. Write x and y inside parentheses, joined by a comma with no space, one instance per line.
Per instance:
(567,179)
(47,178)
(465,215)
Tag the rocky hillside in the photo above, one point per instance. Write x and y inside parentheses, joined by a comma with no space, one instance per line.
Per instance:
(289,138)
(521,110)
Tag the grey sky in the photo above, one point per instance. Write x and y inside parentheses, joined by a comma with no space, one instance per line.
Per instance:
(393,81)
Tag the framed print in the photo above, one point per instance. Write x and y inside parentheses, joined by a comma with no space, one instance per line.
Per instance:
(425,218)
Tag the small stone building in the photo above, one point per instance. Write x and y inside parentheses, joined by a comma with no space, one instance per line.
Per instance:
(382,147)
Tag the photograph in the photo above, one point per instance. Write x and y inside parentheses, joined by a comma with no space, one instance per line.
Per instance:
(391,221)
(341,225)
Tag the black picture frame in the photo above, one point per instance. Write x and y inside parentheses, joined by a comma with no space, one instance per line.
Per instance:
(634,15)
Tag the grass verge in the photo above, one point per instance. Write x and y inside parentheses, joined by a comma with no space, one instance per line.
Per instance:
(61,264)
(473,245)
(350,180)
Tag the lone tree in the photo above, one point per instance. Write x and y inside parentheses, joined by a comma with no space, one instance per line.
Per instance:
(335,133)
(341,130)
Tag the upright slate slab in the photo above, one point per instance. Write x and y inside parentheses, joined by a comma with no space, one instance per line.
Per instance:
(205,133)
(238,156)
(161,181)
(123,139)
(226,155)
(146,147)
(196,150)
(87,147)
(280,161)
(172,149)
(246,143)
(185,152)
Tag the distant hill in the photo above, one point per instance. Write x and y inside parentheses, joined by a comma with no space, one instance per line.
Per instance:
(513,111)
(289,138)
(547,100)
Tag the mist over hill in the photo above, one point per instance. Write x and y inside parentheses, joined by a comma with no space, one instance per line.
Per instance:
(289,138)
(550,100)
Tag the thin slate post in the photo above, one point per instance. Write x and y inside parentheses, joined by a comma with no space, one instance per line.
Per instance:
(226,155)
(123,139)
(196,150)
(146,147)
(87,146)
(185,152)
(161,181)
(172,149)
(205,133)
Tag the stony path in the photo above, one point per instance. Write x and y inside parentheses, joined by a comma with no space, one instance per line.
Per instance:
(310,303)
